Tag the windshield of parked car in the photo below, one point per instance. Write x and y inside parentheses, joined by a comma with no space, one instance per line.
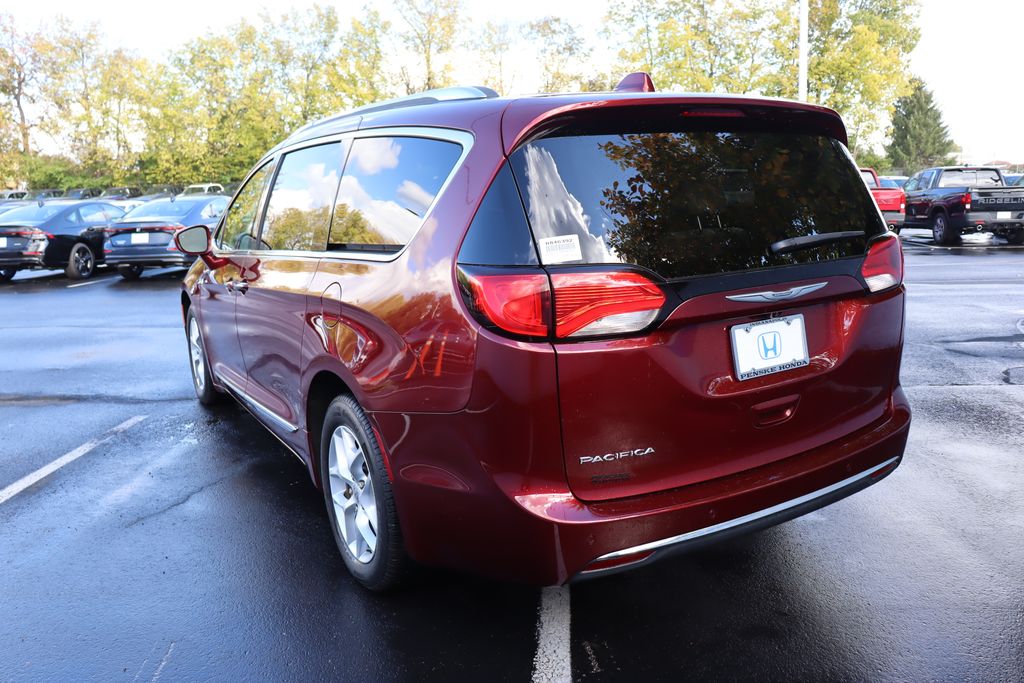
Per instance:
(869,178)
(32,214)
(161,209)
(692,202)
(981,177)
(888,183)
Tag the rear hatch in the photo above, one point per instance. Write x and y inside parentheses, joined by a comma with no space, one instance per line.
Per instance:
(711,302)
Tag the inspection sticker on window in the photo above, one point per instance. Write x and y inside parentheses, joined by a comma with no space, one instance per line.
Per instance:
(561,249)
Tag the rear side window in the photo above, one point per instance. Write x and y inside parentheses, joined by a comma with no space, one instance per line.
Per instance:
(238,229)
(499,234)
(388,185)
(693,202)
(299,210)
(869,179)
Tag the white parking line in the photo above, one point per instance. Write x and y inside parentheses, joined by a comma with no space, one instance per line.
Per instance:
(90,282)
(553,662)
(46,470)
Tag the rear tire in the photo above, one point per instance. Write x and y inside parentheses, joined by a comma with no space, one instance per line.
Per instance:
(7,274)
(130,272)
(942,232)
(202,381)
(356,487)
(81,262)
(1016,237)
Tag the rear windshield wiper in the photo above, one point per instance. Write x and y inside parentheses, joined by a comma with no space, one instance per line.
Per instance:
(792,244)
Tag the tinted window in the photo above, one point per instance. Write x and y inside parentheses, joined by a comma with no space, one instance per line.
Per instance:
(499,234)
(161,209)
(238,229)
(868,178)
(215,208)
(92,213)
(925,182)
(912,183)
(299,211)
(33,214)
(388,185)
(691,203)
(972,178)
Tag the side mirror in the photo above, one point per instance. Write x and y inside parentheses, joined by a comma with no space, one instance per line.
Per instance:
(194,241)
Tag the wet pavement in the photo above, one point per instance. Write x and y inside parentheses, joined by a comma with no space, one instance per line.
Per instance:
(189,545)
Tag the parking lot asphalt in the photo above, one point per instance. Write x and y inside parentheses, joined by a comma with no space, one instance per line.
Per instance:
(179,543)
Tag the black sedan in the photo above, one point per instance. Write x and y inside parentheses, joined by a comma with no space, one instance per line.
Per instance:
(145,235)
(55,234)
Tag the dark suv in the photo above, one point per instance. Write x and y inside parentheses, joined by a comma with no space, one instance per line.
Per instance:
(553,337)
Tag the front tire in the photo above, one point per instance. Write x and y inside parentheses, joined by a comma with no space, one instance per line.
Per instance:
(942,232)
(202,381)
(7,274)
(81,263)
(360,502)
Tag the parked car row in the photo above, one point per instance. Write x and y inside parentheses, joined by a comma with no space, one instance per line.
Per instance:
(951,201)
(79,235)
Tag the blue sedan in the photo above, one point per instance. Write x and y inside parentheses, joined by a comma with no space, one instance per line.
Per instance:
(145,235)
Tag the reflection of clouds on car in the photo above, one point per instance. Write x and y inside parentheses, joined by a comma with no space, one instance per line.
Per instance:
(311,189)
(555,212)
(415,197)
(396,223)
(373,155)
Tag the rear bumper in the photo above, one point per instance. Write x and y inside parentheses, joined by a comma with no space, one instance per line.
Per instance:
(153,258)
(893,218)
(20,260)
(999,223)
(509,527)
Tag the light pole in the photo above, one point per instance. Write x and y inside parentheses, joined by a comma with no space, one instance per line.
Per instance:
(802,88)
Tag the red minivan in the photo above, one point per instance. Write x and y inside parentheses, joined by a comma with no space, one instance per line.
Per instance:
(554,337)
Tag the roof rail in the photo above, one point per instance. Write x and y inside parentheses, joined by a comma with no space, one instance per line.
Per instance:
(462,92)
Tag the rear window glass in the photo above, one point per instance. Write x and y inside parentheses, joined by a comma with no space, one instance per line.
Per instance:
(980,178)
(694,202)
(388,185)
(33,214)
(161,209)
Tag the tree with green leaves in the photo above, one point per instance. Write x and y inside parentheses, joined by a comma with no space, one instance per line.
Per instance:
(431,32)
(919,137)
(493,44)
(561,51)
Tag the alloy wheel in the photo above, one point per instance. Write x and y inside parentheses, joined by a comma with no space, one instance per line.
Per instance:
(83,261)
(196,355)
(352,493)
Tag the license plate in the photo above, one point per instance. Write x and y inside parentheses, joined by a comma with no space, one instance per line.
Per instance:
(769,346)
(140,238)
(1003,215)
(3,242)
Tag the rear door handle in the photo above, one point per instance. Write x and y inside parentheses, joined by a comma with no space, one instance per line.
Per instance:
(240,286)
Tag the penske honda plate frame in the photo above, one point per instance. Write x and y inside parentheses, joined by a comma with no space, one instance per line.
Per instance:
(769,346)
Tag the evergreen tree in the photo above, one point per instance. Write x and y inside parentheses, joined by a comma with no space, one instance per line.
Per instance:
(920,138)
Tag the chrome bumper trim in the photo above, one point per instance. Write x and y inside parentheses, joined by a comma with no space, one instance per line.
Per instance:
(741,521)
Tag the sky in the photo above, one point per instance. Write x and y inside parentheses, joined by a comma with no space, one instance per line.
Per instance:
(969,53)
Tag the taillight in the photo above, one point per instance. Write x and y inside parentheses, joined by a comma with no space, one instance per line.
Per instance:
(966,201)
(574,305)
(593,304)
(518,303)
(883,266)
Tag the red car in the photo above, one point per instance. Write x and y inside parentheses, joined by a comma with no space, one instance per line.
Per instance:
(891,201)
(549,338)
